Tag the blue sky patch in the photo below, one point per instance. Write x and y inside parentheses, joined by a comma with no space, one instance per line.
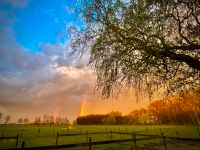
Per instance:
(42,21)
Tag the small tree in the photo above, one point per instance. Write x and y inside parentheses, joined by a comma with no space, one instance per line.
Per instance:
(37,120)
(51,119)
(1,115)
(20,121)
(26,121)
(7,119)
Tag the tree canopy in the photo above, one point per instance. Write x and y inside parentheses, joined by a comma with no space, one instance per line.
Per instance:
(144,44)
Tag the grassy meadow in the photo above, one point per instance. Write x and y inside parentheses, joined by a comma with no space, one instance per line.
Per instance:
(34,135)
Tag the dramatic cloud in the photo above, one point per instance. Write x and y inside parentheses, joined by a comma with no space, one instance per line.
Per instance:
(39,82)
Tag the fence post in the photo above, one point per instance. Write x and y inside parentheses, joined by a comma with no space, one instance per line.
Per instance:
(22,131)
(132,140)
(2,133)
(198,131)
(111,135)
(87,136)
(164,141)
(176,132)
(57,139)
(161,132)
(135,141)
(54,131)
(23,144)
(38,132)
(90,143)
(17,140)
(147,131)
(119,130)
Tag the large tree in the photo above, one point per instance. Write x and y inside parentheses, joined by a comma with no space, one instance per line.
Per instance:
(145,44)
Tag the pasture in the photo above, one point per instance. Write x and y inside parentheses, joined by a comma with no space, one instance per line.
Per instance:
(46,135)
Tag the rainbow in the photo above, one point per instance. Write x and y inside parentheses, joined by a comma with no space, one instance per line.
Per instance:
(81,112)
(83,103)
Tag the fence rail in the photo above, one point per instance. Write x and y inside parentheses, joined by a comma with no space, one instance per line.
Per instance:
(8,137)
(90,142)
(12,137)
(84,144)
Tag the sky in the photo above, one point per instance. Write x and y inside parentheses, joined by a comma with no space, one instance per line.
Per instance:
(37,76)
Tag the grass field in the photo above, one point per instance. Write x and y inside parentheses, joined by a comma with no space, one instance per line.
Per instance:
(46,135)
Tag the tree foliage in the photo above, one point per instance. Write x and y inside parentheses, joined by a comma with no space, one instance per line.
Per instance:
(172,110)
(110,120)
(145,44)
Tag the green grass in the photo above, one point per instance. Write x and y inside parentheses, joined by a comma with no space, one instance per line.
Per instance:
(47,135)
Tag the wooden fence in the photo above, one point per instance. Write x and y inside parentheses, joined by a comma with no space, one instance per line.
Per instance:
(134,139)
(12,137)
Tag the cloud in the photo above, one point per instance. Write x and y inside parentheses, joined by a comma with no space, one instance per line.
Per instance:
(69,9)
(15,3)
(35,83)
(44,88)
(41,81)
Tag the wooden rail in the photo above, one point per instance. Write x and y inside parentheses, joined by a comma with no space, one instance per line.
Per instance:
(11,137)
(90,143)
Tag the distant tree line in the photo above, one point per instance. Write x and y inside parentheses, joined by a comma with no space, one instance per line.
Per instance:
(47,119)
(183,109)
(112,118)
(50,119)
(23,121)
